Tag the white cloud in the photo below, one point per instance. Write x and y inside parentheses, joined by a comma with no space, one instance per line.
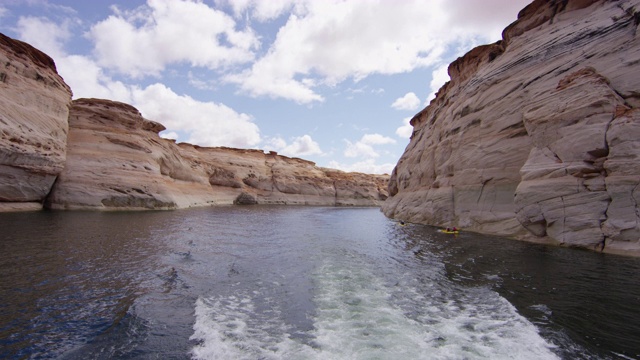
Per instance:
(439,77)
(376,139)
(406,129)
(364,147)
(87,79)
(321,44)
(198,83)
(163,32)
(169,135)
(487,17)
(276,143)
(409,101)
(260,10)
(359,149)
(301,146)
(44,35)
(206,123)
(334,40)
(367,166)
(264,83)
(82,74)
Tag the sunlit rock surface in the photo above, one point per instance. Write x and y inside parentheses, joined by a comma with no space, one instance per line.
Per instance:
(537,136)
(34,107)
(117,160)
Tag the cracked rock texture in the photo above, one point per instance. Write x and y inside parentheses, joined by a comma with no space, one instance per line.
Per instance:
(34,107)
(117,160)
(536,137)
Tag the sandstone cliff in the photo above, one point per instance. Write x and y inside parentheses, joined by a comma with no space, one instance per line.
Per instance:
(537,136)
(104,155)
(117,160)
(34,107)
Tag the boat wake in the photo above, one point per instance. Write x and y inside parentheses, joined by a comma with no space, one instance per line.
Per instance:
(360,315)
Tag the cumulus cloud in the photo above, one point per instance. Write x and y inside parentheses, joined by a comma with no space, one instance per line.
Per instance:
(259,9)
(162,32)
(259,82)
(330,41)
(406,129)
(376,139)
(487,17)
(359,149)
(207,123)
(367,166)
(300,146)
(364,147)
(87,79)
(44,34)
(439,77)
(321,44)
(274,143)
(204,123)
(81,73)
(409,101)
(169,135)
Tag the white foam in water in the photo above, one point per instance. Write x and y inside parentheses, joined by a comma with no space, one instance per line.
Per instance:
(355,320)
(231,329)
(358,318)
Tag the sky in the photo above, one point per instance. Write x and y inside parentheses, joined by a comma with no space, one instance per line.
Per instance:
(331,81)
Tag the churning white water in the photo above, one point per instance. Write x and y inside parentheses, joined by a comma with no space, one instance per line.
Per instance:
(361,315)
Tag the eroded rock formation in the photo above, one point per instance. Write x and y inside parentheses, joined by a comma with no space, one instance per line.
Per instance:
(537,136)
(117,160)
(104,155)
(34,107)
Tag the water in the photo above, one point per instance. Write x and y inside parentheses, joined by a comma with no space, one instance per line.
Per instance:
(301,283)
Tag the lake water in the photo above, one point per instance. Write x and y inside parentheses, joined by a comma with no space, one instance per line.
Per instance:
(266,282)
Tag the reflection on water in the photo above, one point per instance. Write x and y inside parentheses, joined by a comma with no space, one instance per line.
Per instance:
(304,283)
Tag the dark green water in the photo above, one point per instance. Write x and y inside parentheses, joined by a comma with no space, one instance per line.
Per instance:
(301,283)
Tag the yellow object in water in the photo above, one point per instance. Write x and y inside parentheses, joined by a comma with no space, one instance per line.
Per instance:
(445,231)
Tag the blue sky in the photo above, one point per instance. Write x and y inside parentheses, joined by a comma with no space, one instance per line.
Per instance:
(331,81)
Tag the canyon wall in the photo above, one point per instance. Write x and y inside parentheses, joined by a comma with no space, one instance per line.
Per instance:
(535,137)
(117,160)
(34,107)
(103,155)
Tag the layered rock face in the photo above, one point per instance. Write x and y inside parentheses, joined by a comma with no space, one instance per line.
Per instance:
(34,107)
(104,155)
(117,160)
(535,137)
